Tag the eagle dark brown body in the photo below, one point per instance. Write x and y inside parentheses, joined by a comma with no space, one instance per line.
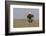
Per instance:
(29,16)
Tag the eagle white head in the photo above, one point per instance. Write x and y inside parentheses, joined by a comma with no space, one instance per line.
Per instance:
(29,13)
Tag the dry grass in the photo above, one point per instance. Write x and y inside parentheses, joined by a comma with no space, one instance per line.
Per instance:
(24,23)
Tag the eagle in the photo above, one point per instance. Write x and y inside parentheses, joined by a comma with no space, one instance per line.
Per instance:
(30,16)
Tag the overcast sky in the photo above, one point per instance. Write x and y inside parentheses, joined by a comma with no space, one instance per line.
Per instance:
(21,13)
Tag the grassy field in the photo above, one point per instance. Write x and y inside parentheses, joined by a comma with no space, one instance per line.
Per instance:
(24,23)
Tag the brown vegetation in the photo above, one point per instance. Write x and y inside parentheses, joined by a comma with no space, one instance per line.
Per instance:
(24,23)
